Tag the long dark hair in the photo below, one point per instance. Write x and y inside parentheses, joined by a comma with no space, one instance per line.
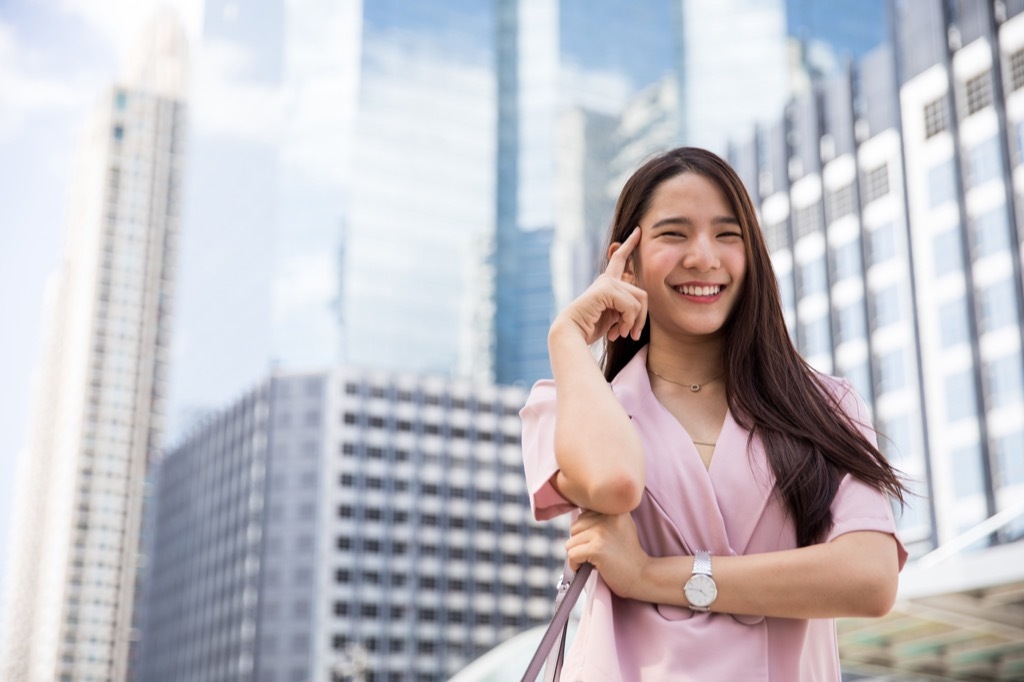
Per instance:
(772,392)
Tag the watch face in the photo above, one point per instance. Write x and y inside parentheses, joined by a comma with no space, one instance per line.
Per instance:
(700,590)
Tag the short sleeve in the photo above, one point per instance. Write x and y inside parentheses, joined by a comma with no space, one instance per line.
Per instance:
(539,462)
(857,506)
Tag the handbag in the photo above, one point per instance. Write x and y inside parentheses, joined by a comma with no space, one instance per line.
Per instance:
(568,592)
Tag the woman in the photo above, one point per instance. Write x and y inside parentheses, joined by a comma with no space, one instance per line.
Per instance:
(735,499)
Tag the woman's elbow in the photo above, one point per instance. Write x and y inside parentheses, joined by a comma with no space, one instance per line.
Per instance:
(876,595)
(617,494)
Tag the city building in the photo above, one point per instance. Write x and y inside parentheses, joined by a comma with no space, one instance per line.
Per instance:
(98,410)
(587,91)
(422,187)
(340,522)
(889,196)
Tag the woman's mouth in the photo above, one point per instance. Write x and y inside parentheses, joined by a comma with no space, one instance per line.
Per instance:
(701,291)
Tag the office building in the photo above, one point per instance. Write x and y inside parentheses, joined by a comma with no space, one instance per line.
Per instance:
(344,521)
(889,195)
(422,186)
(98,410)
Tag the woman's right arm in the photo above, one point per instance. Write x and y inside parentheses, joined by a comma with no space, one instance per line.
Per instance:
(599,452)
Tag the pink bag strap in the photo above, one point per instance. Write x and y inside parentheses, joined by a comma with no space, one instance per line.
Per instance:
(568,594)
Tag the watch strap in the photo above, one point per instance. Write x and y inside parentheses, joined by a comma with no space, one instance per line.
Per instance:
(702,562)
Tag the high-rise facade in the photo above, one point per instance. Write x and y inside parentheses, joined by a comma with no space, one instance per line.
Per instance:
(98,410)
(889,195)
(422,185)
(889,209)
(344,521)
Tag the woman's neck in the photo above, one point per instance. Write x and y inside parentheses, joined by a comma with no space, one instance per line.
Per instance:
(695,360)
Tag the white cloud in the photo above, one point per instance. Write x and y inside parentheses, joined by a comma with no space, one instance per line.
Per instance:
(24,94)
(122,21)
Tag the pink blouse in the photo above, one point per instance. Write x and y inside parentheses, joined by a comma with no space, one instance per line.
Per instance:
(727,509)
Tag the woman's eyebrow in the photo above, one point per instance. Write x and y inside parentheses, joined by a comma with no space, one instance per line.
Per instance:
(672,220)
(683,220)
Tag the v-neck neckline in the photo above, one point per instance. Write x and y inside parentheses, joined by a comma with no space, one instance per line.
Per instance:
(667,413)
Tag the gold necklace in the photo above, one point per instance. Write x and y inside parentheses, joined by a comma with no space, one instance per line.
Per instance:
(692,387)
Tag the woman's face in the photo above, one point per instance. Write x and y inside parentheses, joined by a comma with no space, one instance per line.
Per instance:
(692,259)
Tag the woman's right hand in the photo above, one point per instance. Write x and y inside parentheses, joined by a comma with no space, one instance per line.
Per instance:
(612,306)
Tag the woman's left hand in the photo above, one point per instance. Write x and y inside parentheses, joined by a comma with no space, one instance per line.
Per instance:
(610,542)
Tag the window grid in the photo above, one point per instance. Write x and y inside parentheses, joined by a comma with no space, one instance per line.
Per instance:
(807,220)
(776,237)
(1016,70)
(935,118)
(979,93)
(840,202)
(876,183)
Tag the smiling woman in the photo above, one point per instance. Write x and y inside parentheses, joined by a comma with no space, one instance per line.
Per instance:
(711,472)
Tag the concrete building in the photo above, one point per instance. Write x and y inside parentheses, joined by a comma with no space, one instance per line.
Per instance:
(889,196)
(98,410)
(344,520)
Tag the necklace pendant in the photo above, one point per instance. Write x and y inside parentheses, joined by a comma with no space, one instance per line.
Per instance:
(694,387)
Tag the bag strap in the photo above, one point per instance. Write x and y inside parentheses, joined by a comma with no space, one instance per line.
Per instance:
(568,593)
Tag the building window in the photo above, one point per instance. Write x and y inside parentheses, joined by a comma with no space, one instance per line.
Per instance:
(840,202)
(967,475)
(846,260)
(935,117)
(990,233)
(1009,456)
(983,163)
(978,91)
(941,184)
(876,183)
(959,396)
(953,323)
(776,237)
(887,308)
(891,372)
(807,220)
(812,278)
(947,253)
(996,304)
(882,243)
(1004,385)
(1016,70)
(851,322)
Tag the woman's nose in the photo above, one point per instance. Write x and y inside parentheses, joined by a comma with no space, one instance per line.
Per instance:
(701,254)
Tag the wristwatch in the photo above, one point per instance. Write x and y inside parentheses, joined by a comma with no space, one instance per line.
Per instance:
(701,589)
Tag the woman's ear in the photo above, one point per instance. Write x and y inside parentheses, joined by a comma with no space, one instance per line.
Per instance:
(629,274)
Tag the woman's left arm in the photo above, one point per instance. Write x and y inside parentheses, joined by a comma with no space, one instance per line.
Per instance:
(855,574)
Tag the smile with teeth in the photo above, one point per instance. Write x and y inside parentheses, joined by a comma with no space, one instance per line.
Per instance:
(690,290)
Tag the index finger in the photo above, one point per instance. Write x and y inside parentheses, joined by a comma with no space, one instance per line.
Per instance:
(617,261)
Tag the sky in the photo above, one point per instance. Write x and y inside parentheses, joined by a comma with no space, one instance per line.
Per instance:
(57,57)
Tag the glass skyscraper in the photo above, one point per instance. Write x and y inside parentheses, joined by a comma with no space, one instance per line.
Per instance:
(422,185)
